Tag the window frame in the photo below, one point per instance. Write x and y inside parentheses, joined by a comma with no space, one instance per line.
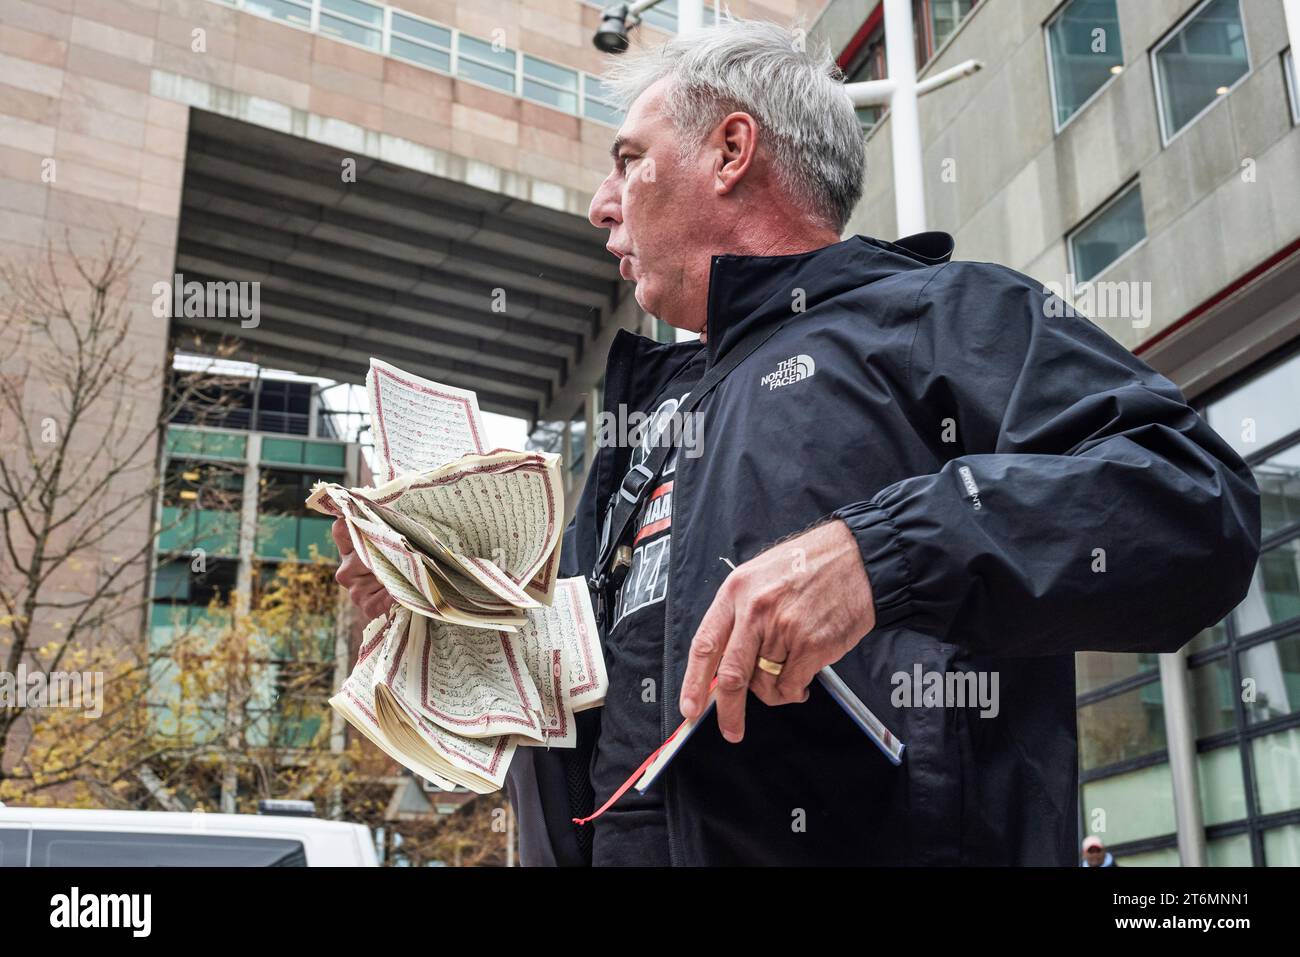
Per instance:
(1059,127)
(1164,40)
(525,79)
(1242,734)
(587,82)
(1134,182)
(1292,81)
(318,10)
(449,50)
(480,61)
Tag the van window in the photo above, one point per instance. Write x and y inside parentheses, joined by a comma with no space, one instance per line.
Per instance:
(129,849)
(13,846)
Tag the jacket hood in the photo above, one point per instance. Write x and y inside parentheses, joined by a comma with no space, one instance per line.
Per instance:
(748,292)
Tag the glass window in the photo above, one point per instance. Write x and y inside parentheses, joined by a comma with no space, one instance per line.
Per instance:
(1212,698)
(1097,669)
(577,445)
(1282,846)
(1265,409)
(13,846)
(1211,637)
(353,20)
(1199,63)
(193,442)
(1161,857)
(283,406)
(1131,806)
(477,60)
(1084,51)
(208,485)
(179,582)
(1277,771)
(550,84)
(1228,851)
(1223,790)
(423,43)
(1292,84)
(1279,487)
(598,103)
(285,491)
(1274,595)
(869,64)
(1273,669)
(1120,727)
(126,849)
(290,10)
(933,23)
(664,15)
(945,17)
(1109,234)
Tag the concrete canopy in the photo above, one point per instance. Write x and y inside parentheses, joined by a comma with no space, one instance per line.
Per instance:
(463,285)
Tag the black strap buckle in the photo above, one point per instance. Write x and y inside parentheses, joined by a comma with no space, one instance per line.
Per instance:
(634,482)
(596,585)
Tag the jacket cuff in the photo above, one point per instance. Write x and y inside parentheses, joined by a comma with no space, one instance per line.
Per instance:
(883,558)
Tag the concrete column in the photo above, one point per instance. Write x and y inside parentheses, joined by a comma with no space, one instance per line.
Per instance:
(248,523)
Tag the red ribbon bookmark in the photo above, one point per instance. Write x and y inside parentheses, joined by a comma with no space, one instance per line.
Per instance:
(622,789)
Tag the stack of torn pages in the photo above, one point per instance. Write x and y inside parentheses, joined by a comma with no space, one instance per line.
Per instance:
(484,649)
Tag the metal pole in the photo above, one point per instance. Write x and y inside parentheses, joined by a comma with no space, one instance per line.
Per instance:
(870,92)
(690,16)
(1292,10)
(1182,758)
(904,119)
(963,69)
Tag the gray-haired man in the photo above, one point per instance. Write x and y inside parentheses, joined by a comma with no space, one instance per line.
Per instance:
(910,462)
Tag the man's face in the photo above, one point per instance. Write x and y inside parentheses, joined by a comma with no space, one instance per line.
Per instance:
(1094,855)
(657,210)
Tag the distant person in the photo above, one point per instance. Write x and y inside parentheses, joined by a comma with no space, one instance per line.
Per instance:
(1095,853)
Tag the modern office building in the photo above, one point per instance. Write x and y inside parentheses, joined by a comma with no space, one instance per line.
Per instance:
(1143,157)
(405,180)
(230,512)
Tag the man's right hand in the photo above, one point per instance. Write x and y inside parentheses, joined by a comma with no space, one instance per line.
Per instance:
(364,588)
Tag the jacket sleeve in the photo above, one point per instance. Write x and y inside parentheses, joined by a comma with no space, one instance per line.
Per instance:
(1083,504)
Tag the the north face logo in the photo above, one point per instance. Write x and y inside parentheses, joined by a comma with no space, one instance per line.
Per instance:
(791,370)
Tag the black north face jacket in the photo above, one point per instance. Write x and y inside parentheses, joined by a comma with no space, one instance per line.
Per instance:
(1021,487)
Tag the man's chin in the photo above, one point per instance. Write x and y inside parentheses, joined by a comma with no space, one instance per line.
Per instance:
(643,299)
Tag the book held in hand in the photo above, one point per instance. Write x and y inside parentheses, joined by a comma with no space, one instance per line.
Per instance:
(485,649)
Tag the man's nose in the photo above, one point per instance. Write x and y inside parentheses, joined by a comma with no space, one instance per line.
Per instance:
(604,211)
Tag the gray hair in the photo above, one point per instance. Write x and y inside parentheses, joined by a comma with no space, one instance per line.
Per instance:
(763,69)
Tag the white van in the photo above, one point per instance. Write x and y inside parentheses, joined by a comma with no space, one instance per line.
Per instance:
(66,837)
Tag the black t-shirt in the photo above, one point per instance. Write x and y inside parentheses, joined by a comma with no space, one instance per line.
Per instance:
(634,831)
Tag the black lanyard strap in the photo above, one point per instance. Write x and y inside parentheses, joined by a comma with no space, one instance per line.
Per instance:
(624,504)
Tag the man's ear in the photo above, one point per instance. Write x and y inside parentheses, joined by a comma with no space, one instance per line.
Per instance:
(737,140)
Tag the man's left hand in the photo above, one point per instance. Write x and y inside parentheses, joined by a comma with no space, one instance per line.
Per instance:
(802,604)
